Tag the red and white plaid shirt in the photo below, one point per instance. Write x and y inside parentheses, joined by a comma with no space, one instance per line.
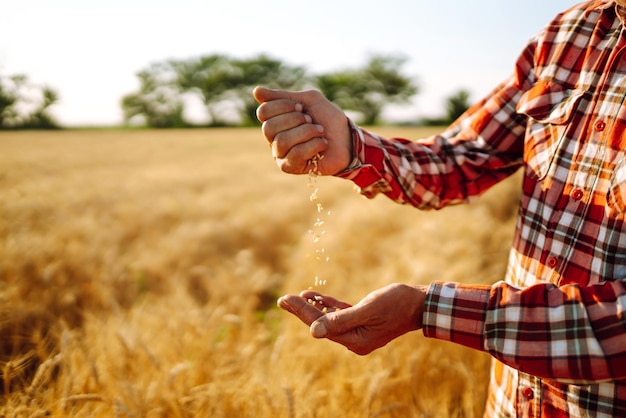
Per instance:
(557,325)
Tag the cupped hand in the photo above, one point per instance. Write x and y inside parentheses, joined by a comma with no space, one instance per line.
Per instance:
(380,317)
(302,126)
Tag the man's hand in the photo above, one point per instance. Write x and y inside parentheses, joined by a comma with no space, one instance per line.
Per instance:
(301,125)
(380,317)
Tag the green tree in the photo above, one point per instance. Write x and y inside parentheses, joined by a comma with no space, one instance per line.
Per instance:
(9,97)
(158,101)
(219,80)
(456,105)
(266,71)
(210,77)
(368,90)
(24,105)
(40,118)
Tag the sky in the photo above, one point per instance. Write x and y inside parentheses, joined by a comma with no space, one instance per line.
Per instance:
(90,51)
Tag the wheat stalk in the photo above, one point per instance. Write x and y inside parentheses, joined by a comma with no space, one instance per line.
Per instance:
(81,397)
(43,373)
(290,404)
(13,368)
(119,407)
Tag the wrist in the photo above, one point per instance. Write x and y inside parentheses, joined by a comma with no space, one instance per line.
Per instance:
(350,138)
(419,305)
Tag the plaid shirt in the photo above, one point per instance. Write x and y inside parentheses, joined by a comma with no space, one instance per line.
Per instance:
(557,324)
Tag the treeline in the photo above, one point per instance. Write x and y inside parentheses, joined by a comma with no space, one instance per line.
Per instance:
(223,85)
(216,90)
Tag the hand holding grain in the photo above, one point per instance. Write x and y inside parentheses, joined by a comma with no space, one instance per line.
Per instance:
(380,317)
(301,125)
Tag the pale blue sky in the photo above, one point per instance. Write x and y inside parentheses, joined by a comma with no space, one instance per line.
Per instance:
(89,51)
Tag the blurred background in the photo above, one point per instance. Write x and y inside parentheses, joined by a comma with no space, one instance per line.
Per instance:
(79,60)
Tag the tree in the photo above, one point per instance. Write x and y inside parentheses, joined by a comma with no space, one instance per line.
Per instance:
(158,100)
(457,104)
(219,79)
(40,119)
(210,77)
(370,89)
(9,96)
(24,105)
(266,71)
(224,86)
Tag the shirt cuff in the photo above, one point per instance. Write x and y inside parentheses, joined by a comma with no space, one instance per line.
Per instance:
(456,312)
(367,166)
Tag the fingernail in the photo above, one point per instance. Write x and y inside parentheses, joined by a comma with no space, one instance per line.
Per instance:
(282,303)
(308,118)
(299,107)
(318,329)
(320,128)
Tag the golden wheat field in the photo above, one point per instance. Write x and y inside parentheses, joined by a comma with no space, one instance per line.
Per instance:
(139,272)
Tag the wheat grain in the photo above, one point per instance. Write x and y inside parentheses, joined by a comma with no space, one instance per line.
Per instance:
(315,232)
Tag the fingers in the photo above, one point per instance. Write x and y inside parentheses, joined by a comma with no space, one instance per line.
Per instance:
(298,144)
(273,108)
(286,122)
(300,125)
(276,102)
(324,300)
(339,327)
(288,130)
(377,319)
(331,325)
(263,94)
(298,306)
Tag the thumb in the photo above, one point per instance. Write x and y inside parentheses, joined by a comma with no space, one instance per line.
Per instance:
(263,94)
(318,328)
(335,323)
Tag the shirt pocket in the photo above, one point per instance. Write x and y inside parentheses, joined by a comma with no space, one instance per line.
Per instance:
(617,186)
(550,107)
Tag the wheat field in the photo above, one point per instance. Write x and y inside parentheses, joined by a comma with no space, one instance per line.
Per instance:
(139,272)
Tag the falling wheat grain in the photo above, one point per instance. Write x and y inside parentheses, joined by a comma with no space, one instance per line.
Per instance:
(317,231)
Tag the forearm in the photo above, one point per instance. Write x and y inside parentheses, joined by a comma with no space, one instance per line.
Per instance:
(443,169)
(572,334)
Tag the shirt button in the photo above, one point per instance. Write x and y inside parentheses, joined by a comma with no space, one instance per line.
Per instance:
(528,393)
(552,262)
(600,125)
(577,194)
